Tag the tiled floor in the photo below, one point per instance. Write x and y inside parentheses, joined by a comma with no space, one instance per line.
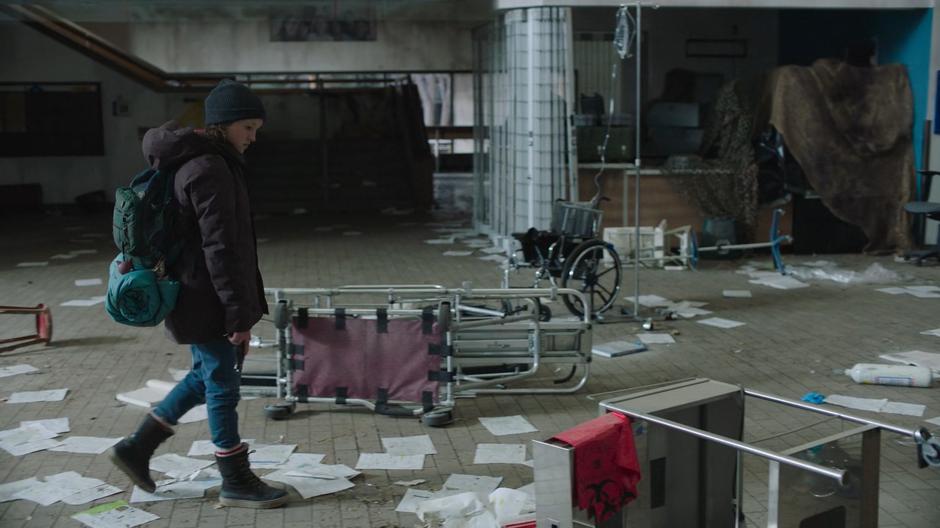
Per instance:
(792,343)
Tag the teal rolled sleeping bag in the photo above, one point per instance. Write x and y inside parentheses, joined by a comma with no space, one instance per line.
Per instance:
(139,297)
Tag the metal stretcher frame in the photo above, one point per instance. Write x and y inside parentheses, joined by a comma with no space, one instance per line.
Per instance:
(484,349)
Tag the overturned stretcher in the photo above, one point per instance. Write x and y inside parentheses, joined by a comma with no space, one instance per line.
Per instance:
(411,350)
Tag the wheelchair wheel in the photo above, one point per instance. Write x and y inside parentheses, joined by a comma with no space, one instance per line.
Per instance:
(586,272)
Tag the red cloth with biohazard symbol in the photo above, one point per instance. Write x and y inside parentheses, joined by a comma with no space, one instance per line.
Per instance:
(606,470)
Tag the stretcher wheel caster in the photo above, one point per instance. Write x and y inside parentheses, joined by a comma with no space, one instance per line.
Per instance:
(278,411)
(545,313)
(437,418)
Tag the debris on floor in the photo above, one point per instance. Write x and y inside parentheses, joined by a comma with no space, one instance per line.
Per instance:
(13,370)
(68,487)
(117,514)
(38,396)
(736,294)
(28,438)
(89,445)
(922,292)
(718,322)
(898,375)
(87,282)
(651,338)
(499,454)
(618,348)
(876,405)
(390,461)
(507,425)
(409,445)
(934,332)
(84,302)
(824,270)
(930,360)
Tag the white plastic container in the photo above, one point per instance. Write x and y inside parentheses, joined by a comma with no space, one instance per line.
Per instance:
(901,375)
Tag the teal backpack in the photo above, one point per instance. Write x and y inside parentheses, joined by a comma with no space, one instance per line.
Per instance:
(139,291)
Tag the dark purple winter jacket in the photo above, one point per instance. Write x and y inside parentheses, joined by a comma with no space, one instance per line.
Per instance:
(220,285)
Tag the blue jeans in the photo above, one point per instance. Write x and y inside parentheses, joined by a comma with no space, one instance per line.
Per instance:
(213,380)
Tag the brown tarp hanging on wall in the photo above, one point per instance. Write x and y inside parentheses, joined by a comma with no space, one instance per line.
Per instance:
(850,129)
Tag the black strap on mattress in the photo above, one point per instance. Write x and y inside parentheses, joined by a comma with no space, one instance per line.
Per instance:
(427,320)
(302,317)
(381,396)
(341,393)
(440,350)
(381,316)
(302,392)
(340,315)
(427,401)
(297,364)
(440,375)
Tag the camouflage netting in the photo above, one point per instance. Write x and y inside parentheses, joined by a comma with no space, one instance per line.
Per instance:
(849,128)
(724,184)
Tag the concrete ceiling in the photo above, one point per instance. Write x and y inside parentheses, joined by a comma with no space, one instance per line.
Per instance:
(471,12)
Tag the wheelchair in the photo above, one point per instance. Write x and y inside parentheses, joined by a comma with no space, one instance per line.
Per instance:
(570,255)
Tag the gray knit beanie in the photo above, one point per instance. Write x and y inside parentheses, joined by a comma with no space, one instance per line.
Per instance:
(232,101)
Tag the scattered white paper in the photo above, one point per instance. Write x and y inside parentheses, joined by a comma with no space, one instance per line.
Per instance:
(655,339)
(310,487)
(414,482)
(84,302)
(924,294)
(177,374)
(780,282)
(389,461)
(653,301)
(87,282)
(322,471)
(57,487)
(413,497)
(91,494)
(409,445)
(207,448)
(720,323)
(63,256)
(9,490)
(509,504)
(296,460)
(83,251)
(457,253)
(27,439)
(270,455)
(56,425)
(493,250)
(934,421)
(13,370)
(439,241)
(910,409)
(176,466)
(169,490)
(862,404)
(893,290)
(476,483)
(924,288)
(117,514)
(736,294)
(461,510)
(690,312)
(930,360)
(86,444)
(38,396)
(493,258)
(196,414)
(507,425)
(499,454)
(32,264)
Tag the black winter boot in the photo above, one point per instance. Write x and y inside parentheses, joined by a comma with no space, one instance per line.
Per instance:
(243,489)
(132,454)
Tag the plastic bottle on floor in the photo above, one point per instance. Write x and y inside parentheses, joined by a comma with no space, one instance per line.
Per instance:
(901,375)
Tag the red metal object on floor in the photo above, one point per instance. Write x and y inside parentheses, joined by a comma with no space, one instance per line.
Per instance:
(43,327)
